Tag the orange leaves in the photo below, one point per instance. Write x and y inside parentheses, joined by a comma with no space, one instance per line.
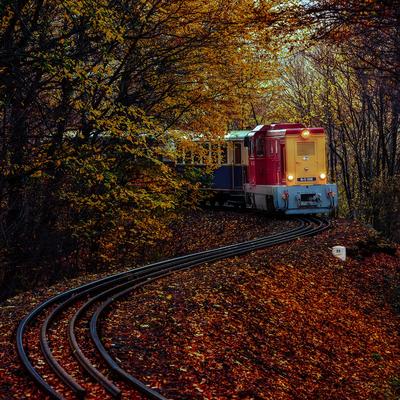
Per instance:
(286,322)
(282,323)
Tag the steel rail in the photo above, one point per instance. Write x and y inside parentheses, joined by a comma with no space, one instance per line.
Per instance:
(94,328)
(21,350)
(132,277)
(145,274)
(51,360)
(63,295)
(77,352)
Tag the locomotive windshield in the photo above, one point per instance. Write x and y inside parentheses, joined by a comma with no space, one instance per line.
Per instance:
(306,149)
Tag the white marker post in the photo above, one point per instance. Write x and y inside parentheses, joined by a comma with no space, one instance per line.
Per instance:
(339,252)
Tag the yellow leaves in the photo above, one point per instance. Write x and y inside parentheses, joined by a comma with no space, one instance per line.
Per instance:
(37,174)
(103,18)
(78,104)
(119,213)
(95,69)
(7,15)
(114,81)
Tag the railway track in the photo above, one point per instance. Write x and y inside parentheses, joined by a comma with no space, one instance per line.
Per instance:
(68,369)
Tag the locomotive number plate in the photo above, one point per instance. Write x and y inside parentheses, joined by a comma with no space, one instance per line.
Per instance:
(312,179)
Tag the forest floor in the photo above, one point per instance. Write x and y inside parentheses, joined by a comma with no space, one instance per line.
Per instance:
(287,322)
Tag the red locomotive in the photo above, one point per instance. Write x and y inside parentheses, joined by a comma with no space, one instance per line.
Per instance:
(287,170)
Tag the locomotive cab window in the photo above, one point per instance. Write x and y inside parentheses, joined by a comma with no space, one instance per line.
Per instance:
(283,160)
(306,149)
(260,147)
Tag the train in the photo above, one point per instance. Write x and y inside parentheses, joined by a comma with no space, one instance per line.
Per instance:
(281,167)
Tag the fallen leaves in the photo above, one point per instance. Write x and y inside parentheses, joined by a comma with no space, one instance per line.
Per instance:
(14,383)
(286,322)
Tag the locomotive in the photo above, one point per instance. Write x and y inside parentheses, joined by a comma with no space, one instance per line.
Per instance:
(287,170)
(276,167)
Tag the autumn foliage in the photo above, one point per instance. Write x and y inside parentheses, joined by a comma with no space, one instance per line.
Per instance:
(92,94)
(343,74)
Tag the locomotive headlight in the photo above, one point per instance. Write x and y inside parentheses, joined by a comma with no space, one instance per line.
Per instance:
(305,133)
(290,177)
(322,175)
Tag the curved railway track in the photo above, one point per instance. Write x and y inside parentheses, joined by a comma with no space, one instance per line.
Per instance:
(89,302)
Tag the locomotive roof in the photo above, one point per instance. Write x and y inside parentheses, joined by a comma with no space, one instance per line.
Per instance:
(282,129)
(279,126)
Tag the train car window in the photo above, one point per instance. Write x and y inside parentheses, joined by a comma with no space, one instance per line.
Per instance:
(206,154)
(306,149)
(251,147)
(271,147)
(237,153)
(188,159)
(197,159)
(223,154)
(180,159)
(215,153)
(260,147)
(276,147)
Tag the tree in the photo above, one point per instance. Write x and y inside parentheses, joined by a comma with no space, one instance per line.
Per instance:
(90,95)
(356,107)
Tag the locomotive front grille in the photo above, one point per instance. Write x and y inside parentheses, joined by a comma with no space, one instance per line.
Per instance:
(308,197)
